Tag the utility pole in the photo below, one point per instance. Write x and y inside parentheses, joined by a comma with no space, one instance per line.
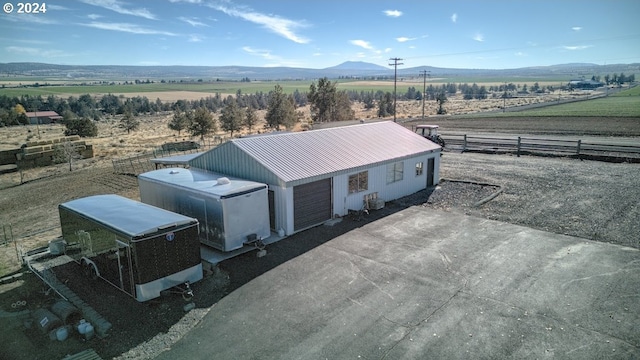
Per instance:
(504,98)
(395,79)
(424,88)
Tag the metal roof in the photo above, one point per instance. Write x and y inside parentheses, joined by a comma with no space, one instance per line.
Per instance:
(309,154)
(176,159)
(203,181)
(125,215)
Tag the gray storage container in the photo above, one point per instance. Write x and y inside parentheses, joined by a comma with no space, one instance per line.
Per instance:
(231,211)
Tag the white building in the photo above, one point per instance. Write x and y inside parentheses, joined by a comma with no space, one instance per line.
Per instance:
(318,175)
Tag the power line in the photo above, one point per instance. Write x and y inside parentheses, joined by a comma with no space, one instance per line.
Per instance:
(395,78)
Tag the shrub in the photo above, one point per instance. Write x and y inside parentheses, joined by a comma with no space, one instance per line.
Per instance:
(84,127)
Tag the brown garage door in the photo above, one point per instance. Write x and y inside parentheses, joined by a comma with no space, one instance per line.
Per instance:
(311,204)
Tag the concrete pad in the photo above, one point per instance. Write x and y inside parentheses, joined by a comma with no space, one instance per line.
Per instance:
(428,284)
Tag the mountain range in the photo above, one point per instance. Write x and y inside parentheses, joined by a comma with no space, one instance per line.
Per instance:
(349,69)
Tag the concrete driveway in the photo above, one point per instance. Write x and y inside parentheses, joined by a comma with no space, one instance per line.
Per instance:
(425,284)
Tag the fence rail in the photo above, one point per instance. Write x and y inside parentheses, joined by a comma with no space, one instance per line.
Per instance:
(138,164)
(543,146)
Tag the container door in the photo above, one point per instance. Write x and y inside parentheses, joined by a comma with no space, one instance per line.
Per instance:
(431,168)
(123,255)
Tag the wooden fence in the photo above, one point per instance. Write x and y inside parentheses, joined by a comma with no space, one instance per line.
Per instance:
(545,146)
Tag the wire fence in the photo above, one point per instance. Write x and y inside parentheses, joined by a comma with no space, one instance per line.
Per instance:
(140,163)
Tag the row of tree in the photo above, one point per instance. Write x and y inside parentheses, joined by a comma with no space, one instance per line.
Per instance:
(615,79)
(327,104)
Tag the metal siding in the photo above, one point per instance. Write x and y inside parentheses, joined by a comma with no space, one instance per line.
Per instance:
(229,159)
(291,159)
(311,204)
(343,201)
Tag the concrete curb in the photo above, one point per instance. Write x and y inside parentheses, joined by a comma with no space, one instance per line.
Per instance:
(486,199)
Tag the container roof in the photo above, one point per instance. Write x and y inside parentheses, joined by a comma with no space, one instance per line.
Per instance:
(203,181)
(130,217)
(301,155)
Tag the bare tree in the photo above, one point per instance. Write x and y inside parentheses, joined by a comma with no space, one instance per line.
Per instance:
(66,152)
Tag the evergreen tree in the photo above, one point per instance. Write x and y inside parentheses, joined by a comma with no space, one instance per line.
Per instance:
(202,123)
(231,117)
(329,104)
(441,98)
(179,121)
(281,110)
(250,118)
(129,122)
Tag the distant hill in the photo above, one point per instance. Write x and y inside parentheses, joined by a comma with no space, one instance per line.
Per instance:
(349,69)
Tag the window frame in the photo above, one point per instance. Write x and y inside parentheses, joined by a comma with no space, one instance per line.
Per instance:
(358,182)
(395,172)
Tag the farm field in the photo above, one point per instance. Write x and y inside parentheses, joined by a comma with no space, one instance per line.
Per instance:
(231,87)
(613,106)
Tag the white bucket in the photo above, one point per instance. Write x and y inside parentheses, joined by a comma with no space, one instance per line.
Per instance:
(62,333)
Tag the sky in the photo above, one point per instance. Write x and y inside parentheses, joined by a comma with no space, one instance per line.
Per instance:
(316,34)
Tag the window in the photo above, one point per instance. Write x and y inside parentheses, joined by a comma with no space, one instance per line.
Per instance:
(395,172)
(419,168)
(358,182)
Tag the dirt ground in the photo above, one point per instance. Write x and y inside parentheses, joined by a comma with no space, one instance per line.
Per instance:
(589,199)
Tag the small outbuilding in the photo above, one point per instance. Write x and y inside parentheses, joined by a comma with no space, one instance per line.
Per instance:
(315,176)
(43,117)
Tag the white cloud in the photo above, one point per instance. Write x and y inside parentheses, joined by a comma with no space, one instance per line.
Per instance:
(56,7)
(388,50)
(193,21)
(36,52)
(362,44)
(478,37)
(577,47)
(265,54)
(520,53)
(129,28)
(454,18)
(576,28)
(281,26)
(393,13)
(30,18)
(195,38)
(404,39)
(119,7)
(94,16)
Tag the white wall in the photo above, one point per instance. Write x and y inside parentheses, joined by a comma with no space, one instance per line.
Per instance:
(343,201)
(410,183)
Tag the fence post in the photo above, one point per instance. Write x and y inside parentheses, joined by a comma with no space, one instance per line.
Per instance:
(578,149)
(518,149)
(464,146)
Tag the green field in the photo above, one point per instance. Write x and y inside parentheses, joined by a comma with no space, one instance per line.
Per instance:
(213,87)
(231,87)
(623,104)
